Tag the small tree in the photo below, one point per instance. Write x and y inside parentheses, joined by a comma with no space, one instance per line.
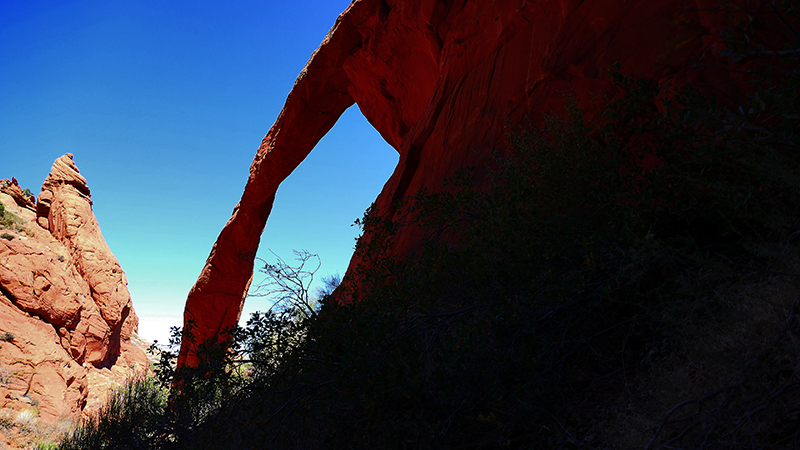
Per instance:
(289,286)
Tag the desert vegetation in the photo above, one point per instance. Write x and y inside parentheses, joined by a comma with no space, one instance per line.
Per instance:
(10,221)
(625,277)
(24,429)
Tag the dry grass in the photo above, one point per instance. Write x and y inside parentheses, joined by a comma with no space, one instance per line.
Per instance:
(25,430)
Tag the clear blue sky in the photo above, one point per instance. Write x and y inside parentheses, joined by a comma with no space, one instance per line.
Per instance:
(164,104)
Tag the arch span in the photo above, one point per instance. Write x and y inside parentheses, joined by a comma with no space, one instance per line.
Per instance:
(440,80)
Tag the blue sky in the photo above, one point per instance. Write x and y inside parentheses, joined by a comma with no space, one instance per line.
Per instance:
(164,104)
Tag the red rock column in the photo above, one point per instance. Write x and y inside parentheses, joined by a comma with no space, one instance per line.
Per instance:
(65,209)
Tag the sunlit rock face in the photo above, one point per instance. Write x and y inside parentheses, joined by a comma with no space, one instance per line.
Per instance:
(440,81)
(65,310)
(16,193)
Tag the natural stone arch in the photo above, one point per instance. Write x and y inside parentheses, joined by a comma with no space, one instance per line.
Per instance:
(439,80)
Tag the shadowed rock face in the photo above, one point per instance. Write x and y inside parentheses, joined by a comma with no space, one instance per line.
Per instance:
(440,81)
(65,310)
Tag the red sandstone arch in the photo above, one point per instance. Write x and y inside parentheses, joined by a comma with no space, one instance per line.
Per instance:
(438,79)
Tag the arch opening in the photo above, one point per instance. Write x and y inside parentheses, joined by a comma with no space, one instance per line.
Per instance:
(315,207)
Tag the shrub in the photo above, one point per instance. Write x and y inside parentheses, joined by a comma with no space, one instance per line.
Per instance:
(134,418)
(26,417)
(288,286)
(6,418)
(10,221)
(7,336)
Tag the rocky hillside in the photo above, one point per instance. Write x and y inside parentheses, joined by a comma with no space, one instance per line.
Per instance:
(66,319)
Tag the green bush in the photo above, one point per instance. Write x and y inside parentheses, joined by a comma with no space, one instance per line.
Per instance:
(134,418)
(10,221)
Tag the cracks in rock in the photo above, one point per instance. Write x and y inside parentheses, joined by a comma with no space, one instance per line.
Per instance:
(433,37)
(411,163)
(414,153)
(32,314)
(115,338)
(383,10)
(7,294)
(24,377)
(491,74)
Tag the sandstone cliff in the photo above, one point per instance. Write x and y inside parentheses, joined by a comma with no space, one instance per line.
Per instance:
(440,81)
(66,318)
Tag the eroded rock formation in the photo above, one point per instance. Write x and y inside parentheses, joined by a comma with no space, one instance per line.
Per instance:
(440,81)
(17,194)
(65,311)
